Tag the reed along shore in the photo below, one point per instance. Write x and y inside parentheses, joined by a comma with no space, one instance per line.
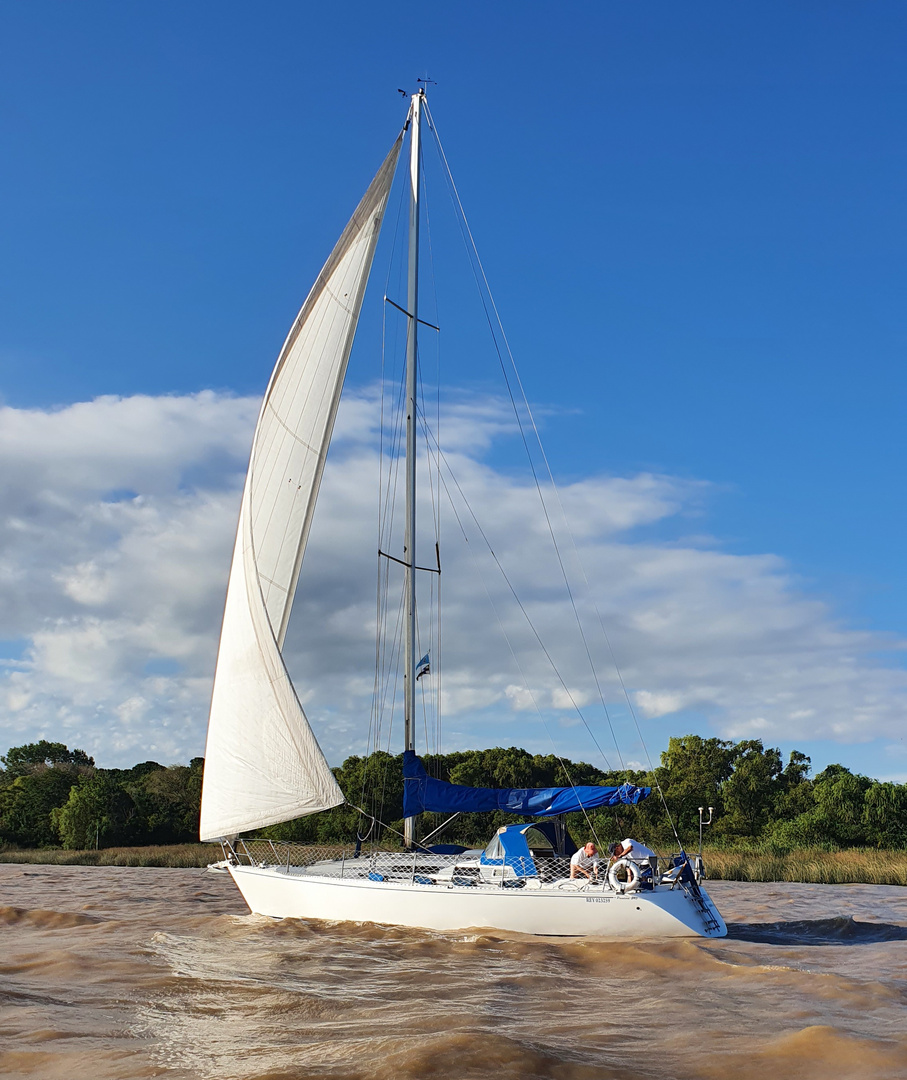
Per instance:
(806,865)
(809,866)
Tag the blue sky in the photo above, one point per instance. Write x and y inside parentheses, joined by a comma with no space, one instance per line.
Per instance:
(692,217)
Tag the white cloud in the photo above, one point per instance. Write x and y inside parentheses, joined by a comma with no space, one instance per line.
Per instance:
(652,705)
(117,525)
(115,530)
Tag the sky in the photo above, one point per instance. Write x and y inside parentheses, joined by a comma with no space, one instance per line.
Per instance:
(692,219)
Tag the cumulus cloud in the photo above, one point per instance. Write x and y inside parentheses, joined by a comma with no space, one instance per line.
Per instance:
(115,540)
(115,531)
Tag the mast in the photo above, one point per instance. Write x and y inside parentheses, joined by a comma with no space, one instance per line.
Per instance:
(409,540)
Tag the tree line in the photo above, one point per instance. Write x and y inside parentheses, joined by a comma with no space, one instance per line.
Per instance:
(51,796)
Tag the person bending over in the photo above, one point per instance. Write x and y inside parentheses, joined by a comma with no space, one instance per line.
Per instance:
(632,849)
(585,862)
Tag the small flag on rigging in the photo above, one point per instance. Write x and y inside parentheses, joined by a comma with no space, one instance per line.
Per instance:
(422,668)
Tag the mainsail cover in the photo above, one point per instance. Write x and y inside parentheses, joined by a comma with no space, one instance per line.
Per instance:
(262,762)
(423,792)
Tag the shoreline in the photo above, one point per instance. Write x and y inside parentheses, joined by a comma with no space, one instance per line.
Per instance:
(808,866)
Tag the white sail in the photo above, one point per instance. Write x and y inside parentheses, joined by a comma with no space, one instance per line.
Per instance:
(262,762)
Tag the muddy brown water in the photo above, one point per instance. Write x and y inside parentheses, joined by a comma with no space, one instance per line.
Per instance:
(122,972)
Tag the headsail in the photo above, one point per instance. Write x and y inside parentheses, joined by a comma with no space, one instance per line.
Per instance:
(262,762)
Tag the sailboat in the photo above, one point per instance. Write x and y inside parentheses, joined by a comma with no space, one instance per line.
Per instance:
(263,764)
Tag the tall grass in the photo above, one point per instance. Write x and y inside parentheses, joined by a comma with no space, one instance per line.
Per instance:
(174,855)
(814,865)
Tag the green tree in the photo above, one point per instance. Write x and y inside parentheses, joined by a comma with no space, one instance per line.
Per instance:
(750,794)
(796,793)
(885,815)
(99,810)
(167,801)
(510,768)
(26,806)
(20,760)
(839,796)
(834,819)
(691,775)
(37,778)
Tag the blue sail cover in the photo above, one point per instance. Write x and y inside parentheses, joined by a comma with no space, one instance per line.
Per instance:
(422,792)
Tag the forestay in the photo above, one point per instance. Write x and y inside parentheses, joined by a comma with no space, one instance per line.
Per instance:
(262,763)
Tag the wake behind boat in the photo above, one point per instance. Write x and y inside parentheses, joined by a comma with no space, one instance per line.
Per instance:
(263,765)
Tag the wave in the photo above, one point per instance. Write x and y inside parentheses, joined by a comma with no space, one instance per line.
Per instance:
(42,919)
(837,930)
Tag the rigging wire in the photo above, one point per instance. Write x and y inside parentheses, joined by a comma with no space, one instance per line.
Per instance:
(475,261)
(515,595)
(500,622)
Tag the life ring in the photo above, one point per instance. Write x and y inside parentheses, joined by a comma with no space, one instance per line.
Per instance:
(632,881)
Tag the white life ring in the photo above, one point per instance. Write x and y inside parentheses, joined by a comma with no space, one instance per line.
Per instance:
(632,881)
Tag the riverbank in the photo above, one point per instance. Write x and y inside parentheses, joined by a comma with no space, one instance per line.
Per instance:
(810,866)
(176,856)
(807,865)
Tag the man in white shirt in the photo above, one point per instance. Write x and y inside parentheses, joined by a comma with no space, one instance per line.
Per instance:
(585,861)
(632,849)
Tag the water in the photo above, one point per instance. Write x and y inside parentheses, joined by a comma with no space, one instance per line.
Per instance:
(129,972)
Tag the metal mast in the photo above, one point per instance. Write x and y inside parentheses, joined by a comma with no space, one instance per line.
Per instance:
(409,540)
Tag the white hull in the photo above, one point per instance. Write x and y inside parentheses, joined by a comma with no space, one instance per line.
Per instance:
(568,911)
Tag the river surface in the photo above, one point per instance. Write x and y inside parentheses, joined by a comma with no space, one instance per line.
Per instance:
(123,972)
